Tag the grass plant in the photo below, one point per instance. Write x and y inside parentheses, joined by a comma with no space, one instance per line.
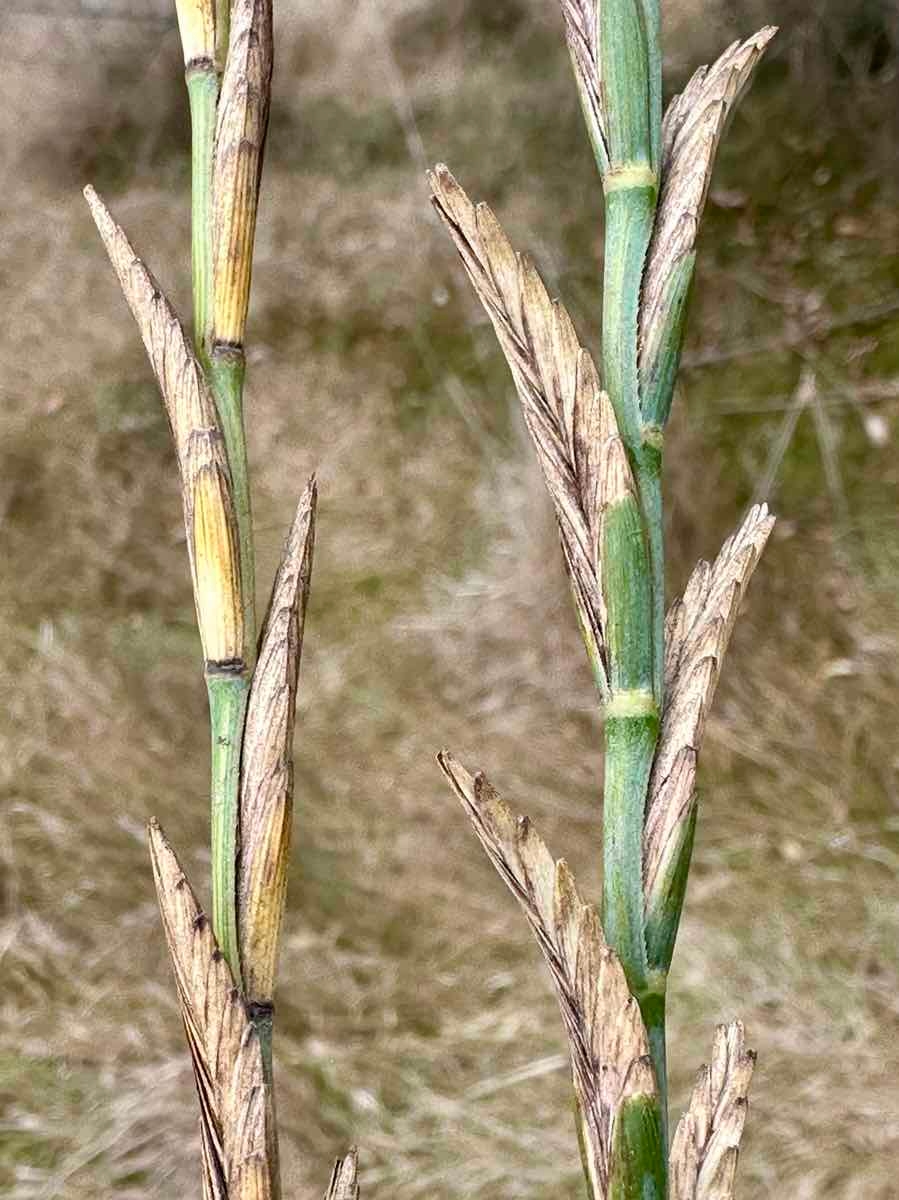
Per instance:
(435,614)
(225,969)
(599,436)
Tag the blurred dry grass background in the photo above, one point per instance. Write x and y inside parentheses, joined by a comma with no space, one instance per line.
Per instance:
(413,1015)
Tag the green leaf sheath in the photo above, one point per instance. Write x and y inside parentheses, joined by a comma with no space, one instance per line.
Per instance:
(652,17)
(202,89)
(629,744)
(226,377)
(228,695)
(631,732)
(638,1161)
(626,88)
(660,357)
(652,1009)
(665,903)
(649,486)
(627,587)
(629,216)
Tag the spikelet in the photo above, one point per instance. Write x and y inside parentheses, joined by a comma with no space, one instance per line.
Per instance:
(239,144)
(691,132)
(703,1160)
(206,488)
(266,795)
(607,1038)
(224,1047)
(697,634)
(568,415)
(343,1185)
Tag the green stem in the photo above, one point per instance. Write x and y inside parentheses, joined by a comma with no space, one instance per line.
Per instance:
(638,1166)
(633,583)
(652,1006)
(630,206)
(631,732)
(203,90)
(226,377)
(228,695)
(630,744)
(649,485)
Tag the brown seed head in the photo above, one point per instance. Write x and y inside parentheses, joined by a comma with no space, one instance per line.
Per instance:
(215,555)
(569,417)
(343,1185)
(691,133)
(697,633)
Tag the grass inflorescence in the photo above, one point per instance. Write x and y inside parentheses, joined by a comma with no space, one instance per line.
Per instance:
(599,436)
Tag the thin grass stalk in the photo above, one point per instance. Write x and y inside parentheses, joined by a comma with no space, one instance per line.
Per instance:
(601,455)
(228,695)
(203,90)
(631,553)
(227,374)
(198,28)
(225,971)
(204,31)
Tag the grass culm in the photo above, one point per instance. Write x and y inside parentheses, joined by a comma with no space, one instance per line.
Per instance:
(599,436)
(225,970)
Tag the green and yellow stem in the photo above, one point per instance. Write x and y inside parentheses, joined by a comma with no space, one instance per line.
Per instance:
(228,695)
(632,556)
(649,486)
(203,90)
(631,732)
(226,377)
(652,1006)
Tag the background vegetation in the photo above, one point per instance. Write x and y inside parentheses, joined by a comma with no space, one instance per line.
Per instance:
(413,1015)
